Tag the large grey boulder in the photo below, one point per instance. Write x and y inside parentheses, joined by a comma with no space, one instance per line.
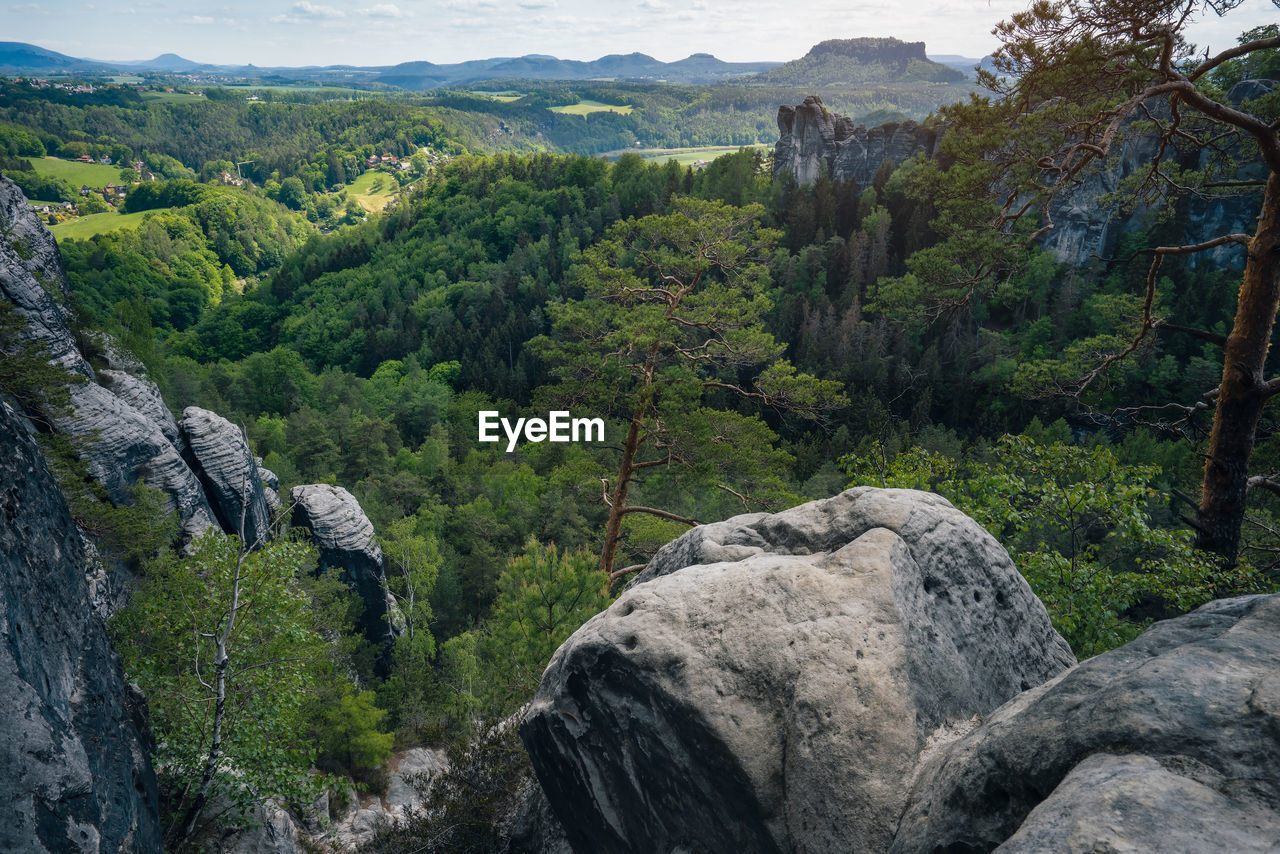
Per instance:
(218,452)
(1169,743)
(769,682)
(345,538)
(74,772)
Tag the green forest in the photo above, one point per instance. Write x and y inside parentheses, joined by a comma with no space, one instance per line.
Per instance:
(752,344)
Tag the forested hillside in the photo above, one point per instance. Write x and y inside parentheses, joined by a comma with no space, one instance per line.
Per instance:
(750,343)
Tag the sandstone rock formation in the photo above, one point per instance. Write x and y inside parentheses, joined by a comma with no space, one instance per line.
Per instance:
(813,141)
(121,437)
(32,278)
(218,452)
(143,395)
(1170,743)
(122,447)
(270,488)
(769,682)
(72,744)
(345,538)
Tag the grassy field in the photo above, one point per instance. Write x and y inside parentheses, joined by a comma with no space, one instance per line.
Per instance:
(586,107)
(88,226)
(688,156)
(373,190)
(172,97)
(504,97)
(93,174)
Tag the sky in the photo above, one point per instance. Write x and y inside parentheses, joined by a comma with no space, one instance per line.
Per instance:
(386,32)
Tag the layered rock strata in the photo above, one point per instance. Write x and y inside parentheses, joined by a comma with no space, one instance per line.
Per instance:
(813,141)
(120,427)
(345,538)
(218,452)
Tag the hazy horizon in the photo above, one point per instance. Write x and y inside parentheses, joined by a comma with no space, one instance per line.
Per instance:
(372,32)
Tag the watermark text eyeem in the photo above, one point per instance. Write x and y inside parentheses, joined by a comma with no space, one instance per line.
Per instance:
(556,427)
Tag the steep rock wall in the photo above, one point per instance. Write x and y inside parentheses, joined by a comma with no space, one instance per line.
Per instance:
(73,759)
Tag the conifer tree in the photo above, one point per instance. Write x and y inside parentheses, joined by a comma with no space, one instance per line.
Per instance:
(669,340)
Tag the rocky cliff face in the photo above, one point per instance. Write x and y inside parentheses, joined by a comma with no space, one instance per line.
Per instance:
(813,141)
(123,431)
(73,759)
(219,454)
(770,682)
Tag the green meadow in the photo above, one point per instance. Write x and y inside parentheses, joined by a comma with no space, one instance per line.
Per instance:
(586,107)
(689,156)
(85,227)
(92,174)
(373,190)
(172,97)
(505,97)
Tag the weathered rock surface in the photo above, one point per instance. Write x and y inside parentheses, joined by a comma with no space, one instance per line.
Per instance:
(769,682)
(120,442)
(345,537)
(72,740)
(813,141)
(270,489)
(32,278)
(121,446)
(533,827)
(268,478)
(217,451)
(143,395)
(1170,743)
(272,829)
(407,767)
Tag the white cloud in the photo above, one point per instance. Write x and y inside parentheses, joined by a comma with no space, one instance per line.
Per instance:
(201,20)
(536,4)
(313,10)
(384,10)
(654,5)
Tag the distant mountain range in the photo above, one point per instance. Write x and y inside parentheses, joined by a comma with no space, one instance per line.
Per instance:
(852,60)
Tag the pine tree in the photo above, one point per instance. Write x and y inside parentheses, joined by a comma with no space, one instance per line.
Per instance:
(669,340)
